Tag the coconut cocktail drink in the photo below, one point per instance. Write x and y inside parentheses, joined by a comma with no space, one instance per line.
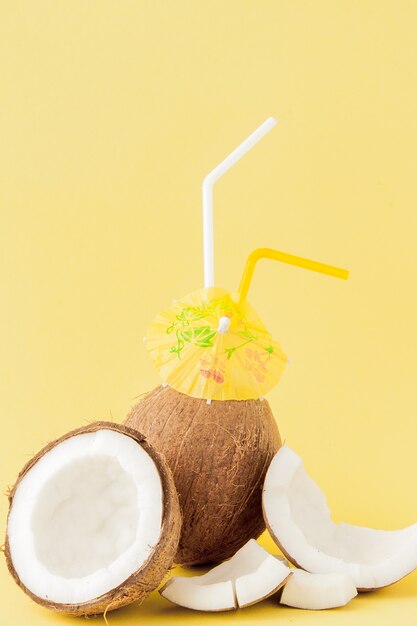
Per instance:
(98,516)
(209,418)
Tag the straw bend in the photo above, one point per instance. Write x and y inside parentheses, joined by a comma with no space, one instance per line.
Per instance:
(284,257)
(208,183)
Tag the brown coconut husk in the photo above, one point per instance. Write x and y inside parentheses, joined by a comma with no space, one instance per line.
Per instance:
(218,454)
(151,573)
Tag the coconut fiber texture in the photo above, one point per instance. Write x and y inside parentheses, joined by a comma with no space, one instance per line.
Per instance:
(150,574)
(218,454)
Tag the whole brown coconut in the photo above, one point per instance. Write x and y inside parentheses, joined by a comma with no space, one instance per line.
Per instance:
(218,454)
(149,573)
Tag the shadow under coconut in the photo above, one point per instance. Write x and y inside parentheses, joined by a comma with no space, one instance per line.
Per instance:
(155,608)
(404,588)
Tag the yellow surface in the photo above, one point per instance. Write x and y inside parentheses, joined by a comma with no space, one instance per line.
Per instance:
(111,114)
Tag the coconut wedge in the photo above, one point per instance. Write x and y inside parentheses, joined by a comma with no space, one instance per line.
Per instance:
(251,575)
(298,518)
(304,590)
(94,521)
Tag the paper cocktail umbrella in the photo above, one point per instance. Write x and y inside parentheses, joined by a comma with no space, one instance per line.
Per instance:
(208,346)
(209,420)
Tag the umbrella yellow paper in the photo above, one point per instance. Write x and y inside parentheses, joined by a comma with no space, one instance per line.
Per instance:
(208,346)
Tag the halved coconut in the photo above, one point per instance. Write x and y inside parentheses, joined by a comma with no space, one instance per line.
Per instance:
(298,518)
(251,575)
(304,590)
(94,521)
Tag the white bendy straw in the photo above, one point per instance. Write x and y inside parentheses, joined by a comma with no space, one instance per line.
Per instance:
(208,183)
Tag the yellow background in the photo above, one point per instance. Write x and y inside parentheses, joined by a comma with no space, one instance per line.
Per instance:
(111,114)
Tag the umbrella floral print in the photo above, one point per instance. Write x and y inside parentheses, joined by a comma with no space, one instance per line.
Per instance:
(209,346)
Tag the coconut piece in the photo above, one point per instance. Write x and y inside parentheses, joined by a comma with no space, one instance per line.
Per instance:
(304,590)
(251,575)
(94,521)
(298,518)
(218,454)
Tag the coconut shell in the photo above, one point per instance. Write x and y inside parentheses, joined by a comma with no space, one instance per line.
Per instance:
(151,573)
(218,454)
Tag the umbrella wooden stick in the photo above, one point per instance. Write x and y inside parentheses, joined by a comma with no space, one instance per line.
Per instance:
(208,183)
(284,257)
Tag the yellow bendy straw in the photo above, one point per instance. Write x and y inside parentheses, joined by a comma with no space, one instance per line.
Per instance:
(284,257)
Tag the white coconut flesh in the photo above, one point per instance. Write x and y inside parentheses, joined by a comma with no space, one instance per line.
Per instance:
(304,590)
(298,517)
(85,517)
(251,575)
